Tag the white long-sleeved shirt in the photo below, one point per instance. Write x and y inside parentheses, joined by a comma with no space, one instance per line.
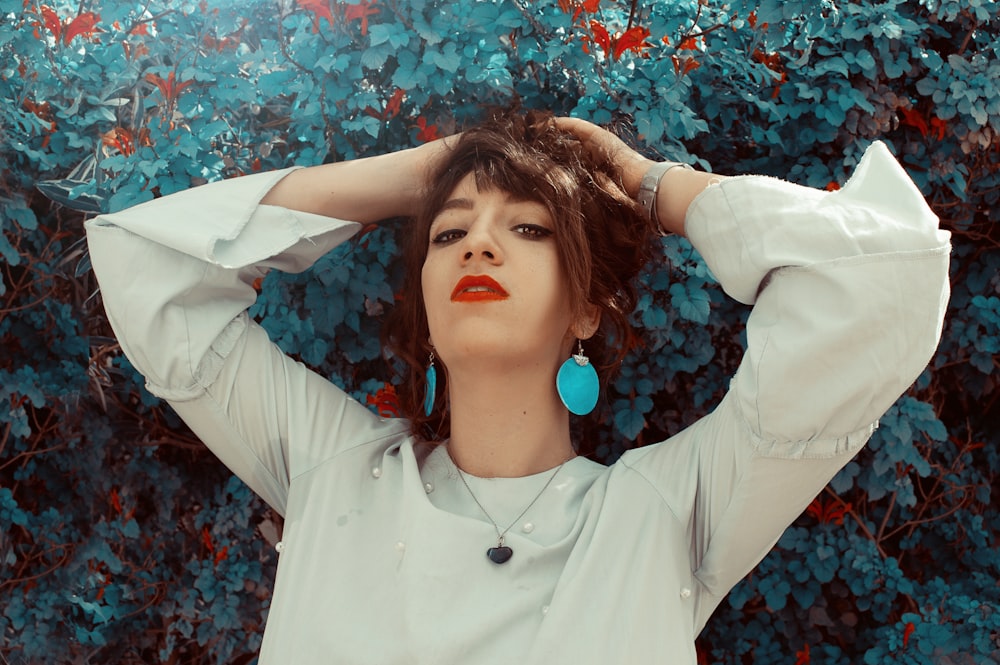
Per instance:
(384,548)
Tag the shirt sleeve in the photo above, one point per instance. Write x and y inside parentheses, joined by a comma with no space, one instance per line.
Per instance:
(849,290)
(176,277)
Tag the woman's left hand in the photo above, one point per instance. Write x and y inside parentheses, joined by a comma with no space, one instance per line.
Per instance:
(678,187)
(599,141)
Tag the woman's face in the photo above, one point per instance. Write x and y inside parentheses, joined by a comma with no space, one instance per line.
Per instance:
(493,285)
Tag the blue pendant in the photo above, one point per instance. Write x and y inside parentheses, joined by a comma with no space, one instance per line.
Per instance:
(499,554)
(431,390)
(578,385)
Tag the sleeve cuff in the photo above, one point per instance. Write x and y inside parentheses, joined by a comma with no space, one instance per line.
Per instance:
(239,232)
(748,226)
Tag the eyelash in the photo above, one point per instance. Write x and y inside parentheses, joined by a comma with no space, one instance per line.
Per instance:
(529,231)
(535,232)
(445,237)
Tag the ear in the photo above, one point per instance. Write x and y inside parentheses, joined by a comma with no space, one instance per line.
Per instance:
(587,323)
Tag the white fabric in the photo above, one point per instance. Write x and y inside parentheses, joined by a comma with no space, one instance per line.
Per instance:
(623,564)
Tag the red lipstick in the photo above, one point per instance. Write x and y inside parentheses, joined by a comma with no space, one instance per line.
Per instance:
(478,288)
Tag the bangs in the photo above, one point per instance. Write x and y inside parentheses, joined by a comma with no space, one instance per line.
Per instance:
(523,171)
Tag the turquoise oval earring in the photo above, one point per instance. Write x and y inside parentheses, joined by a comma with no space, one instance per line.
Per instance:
(431,376)
(577,383)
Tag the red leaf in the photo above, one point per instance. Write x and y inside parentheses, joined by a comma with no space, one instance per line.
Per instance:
(907,631)
(938,127)
(392,106)
(85,24)
(913,118)
(634,39)
(52,21)
(221,555)
(833,511)
(320,10)
(591,6)
(832,186)
(43,110)
(206,539)
(140,29)
(361,12)
(601,36)
(688,44)
(179,88)
(160,84)
(684,65)
(385,401)
(802,657)
(170,88)
(121,139)
(116,502)
(427,132)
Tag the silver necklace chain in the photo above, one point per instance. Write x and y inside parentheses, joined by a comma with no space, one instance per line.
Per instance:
(496,527)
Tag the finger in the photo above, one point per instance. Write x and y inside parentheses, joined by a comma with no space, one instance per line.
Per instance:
(598,140)
(581,128)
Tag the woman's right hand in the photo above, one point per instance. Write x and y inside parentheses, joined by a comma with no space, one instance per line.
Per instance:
(363,190)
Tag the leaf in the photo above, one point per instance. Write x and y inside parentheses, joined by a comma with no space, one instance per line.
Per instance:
(446,59)
(85,24)
(634,39)
(320,9)
(691,302)
(65,192)
(52,21)
(428,132)
(361,12)
(628,420)
(600,35)
(380,33)
(376,57)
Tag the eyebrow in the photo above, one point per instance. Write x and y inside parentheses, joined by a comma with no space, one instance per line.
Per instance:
(456,204)
(466,204)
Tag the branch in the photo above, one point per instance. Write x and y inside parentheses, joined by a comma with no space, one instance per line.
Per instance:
(849,510)
(885,518)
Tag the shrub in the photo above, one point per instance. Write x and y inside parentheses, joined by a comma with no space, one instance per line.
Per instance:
(121,540)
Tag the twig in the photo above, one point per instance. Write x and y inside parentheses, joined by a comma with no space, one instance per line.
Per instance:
(631,13)
(848,509)
(885,518)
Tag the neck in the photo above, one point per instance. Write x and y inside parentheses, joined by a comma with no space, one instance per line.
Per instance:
(508,425)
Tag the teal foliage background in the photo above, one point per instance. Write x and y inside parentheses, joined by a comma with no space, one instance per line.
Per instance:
(123,541)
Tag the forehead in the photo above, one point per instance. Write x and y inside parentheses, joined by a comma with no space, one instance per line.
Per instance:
(473,189)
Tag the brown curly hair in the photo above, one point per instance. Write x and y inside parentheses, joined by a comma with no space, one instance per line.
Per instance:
(603,241)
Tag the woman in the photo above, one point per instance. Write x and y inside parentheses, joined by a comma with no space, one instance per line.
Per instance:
(470,532)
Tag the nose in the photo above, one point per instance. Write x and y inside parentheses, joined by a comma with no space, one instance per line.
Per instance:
(487,254)
(481,243)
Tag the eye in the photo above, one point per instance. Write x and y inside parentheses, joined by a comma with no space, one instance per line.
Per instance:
(447,236)
(533,231)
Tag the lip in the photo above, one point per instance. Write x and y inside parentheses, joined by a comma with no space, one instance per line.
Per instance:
(478,288)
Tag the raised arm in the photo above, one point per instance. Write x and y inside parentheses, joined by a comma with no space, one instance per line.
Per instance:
(364,190)
(849,290)
(177,275)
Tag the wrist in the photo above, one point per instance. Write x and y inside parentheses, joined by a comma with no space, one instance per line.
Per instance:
(632,173)
(651,195)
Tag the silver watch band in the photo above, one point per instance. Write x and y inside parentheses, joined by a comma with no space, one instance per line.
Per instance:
(650,185)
